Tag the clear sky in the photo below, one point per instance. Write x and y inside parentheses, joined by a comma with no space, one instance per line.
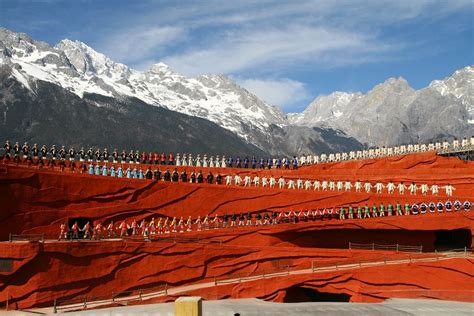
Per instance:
(286,52)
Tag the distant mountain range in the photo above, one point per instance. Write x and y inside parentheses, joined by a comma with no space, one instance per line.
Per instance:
(72,94)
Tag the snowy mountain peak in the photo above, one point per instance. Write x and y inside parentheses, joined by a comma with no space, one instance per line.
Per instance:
(89,62)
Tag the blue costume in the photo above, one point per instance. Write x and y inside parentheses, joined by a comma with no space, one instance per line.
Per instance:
(119,172)
(91,169)
(104,171)
(134,173)
(112,171)
(140,174)
(97,170)
(129,175)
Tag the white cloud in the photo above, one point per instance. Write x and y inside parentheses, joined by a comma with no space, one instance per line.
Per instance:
(281,92)
(243,49)
(141,43)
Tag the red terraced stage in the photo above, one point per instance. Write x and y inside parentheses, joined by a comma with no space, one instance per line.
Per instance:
(38,201)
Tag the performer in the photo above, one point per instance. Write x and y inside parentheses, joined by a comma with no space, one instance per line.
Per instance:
(449,190)
(407,209)
(342,213)
(401,188)
(225,220)
(432,207)
(382,210)
(166,225)
(111,230)
(281,182)
(390,209)
(237,179)
(152,227)
(264,182)
(434,189)
(272,182)
(87,231)
(449,206)
(64,230)
(367,187)
(241,220)
(307,184)
(256,181)
(249,219)
(359,212)
(97,232)
(228,180)
(414,209)
(457,205)
(348,186)
(205,222)
(424,189)
(413,188)
(266,219)
(440,206)
(215,221)
(247,181)
(258,218)
(467,206)
(358,186)
(423,208)
(274,218)
(174,225)
(366,211)
(189,224)
(159,226)
(198,222)
(291,184)
(379,187)
(374,210)
(134,227)
(75,230)
(233,220)
(123,229)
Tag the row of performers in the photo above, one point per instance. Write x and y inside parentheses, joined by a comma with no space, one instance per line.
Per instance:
(35,154)
(174,225)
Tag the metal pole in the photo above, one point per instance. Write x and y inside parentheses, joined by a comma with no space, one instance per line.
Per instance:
(373,246)
(465,252)
(397,247)
(55,309)
(349,245)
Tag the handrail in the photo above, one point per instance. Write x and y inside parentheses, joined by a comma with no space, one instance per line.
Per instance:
(396,247)
(26,237)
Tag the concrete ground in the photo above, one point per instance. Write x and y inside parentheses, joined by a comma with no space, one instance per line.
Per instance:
(255,307)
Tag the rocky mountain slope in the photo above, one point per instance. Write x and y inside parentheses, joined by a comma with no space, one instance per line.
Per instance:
(394,113)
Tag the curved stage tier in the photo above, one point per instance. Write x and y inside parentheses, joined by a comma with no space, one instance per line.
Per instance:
(33,274)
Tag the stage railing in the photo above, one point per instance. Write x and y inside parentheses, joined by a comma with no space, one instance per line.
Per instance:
(26,237)
(396,247)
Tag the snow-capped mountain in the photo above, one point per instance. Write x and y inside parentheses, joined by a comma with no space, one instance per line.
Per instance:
(393,112)
(80,69)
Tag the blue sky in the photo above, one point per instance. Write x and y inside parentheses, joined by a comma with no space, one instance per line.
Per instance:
(286,52)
